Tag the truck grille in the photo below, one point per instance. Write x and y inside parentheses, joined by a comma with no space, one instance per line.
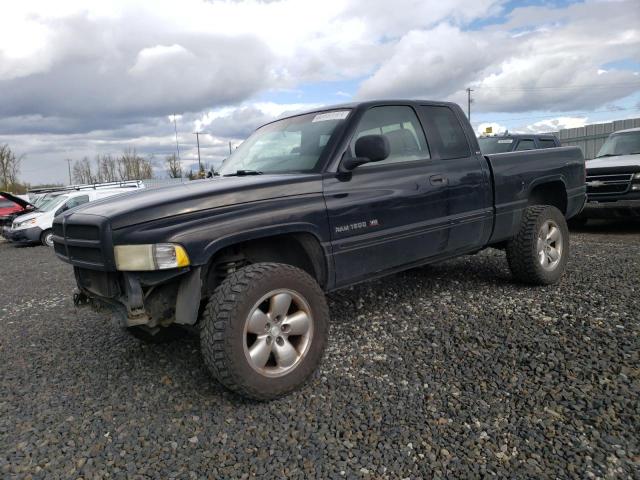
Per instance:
(606,184)
(84,241)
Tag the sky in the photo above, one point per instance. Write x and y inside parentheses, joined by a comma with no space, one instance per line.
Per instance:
(80,78)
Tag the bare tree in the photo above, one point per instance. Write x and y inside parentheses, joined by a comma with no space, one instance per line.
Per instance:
(174,168)
(106,168)
(9,167)
(131,166)
(82,171)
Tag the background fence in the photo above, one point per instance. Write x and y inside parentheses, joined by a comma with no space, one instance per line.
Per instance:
(591,137)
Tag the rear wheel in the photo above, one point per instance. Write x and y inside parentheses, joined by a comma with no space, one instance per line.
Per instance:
(47,238)
(539,252)
(264,330)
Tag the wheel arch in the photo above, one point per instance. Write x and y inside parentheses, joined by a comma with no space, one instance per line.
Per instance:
(293,246)
(549,191)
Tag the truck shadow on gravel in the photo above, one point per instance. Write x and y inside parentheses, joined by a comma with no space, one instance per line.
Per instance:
(622,226)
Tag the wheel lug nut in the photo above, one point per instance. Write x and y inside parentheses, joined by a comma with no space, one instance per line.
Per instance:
(267,327)
(280,341)
(284,328)
(269,340)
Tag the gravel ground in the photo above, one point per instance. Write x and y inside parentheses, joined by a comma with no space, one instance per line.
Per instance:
(445,371)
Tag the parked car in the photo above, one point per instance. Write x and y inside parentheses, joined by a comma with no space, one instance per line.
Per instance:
(516,143)
(9,205)
(12,206)
(35,227)
(306,205)
(613,179)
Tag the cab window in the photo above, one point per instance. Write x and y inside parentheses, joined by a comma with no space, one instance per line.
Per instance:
(401,127)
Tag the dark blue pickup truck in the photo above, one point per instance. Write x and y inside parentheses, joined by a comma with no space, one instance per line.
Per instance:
(306,205)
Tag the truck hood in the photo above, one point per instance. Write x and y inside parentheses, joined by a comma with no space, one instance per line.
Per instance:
(154,204)
(614,162)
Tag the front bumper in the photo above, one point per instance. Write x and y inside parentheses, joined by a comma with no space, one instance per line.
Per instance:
(611,209)
(142,298)
(25,235)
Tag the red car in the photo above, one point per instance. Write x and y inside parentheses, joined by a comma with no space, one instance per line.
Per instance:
(10,206)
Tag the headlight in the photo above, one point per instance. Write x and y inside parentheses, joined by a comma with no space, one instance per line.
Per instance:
(636,176)
(160,256)
(26,223)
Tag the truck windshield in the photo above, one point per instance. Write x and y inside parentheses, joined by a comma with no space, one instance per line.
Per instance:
(621,144)
(290,145)
(489,145)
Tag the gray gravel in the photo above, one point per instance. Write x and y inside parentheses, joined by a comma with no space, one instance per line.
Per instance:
(446,371)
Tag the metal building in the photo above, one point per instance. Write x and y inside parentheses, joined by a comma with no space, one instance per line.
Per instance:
(591,137)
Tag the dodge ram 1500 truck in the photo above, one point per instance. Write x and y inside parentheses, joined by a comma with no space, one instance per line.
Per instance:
(306,205)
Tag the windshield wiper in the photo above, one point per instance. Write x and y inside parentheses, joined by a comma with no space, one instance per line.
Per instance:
(608,155)
(242,173)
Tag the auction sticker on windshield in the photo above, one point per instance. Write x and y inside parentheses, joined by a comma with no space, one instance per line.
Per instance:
(337,115)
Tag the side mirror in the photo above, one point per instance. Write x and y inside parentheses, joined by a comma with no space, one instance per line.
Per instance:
(369,148)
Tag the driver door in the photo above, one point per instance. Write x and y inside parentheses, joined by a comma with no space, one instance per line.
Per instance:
(390,213)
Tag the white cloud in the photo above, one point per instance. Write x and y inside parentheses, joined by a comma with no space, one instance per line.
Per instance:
(555,124)
(540,59)
(81,76)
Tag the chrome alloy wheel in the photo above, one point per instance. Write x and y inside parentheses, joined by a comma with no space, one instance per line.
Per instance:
(549,245)
(278,332)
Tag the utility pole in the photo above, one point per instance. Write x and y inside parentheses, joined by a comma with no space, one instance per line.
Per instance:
(469,104)
(175,128)
(197,134)
(69,165)
(230,149)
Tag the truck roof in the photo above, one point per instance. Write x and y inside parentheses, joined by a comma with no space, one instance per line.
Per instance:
(520,135)
(366,104)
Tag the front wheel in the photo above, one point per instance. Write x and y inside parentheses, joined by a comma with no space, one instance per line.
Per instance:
(264,330)
(47,238)
(539,252)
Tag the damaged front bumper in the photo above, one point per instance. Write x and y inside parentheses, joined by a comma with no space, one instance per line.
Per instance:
(152,299)
(24,235)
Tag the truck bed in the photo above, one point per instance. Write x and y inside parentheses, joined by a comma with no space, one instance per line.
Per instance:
(516,176)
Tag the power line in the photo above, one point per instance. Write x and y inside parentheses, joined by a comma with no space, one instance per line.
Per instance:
(197,134)
(69,165)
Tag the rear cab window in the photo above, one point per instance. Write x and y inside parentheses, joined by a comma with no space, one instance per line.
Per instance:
(445,131)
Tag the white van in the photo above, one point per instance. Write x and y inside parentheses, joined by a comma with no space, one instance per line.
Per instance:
(35,227)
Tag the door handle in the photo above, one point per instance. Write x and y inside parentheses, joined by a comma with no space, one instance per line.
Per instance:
(438,180)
